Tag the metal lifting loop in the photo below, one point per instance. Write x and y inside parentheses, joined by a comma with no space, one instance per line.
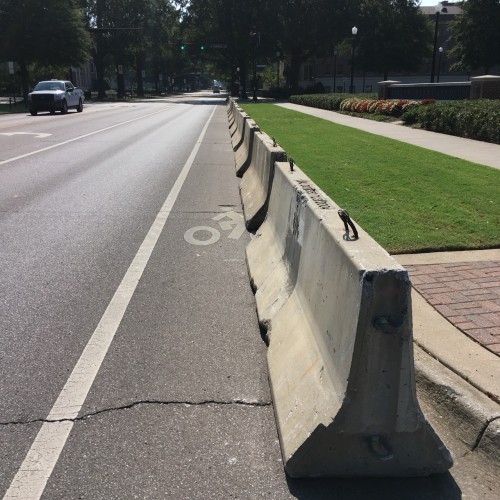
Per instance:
(346,219)
(380,448)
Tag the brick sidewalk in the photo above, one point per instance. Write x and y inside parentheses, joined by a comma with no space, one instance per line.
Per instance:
(467,294)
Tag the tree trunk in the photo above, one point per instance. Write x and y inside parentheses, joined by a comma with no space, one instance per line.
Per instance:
(294,73)
(24,80)
(139,67)
(99,68)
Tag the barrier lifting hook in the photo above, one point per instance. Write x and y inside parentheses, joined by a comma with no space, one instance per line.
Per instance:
(346,219)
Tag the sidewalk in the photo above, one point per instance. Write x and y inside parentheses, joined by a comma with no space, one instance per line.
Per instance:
(456,300)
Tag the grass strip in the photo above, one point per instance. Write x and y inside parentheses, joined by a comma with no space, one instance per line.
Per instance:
(20,107)
(408,198)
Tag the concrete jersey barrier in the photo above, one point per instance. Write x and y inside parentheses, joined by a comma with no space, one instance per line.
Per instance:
(341,354)
(256,183)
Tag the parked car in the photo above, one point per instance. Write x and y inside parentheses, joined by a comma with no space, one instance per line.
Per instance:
(55,95)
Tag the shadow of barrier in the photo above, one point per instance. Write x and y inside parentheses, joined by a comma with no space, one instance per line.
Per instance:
(239,126)
(244,153)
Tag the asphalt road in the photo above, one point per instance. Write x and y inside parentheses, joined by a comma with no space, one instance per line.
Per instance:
(74,212)
(131,363)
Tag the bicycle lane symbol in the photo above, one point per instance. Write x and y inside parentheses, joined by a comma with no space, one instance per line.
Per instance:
(228,221)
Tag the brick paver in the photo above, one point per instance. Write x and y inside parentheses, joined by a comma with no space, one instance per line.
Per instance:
(467,294)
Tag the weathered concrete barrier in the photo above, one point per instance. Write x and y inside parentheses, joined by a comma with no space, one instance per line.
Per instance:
(239,119)
(340,355)
(256,183)
(243,155)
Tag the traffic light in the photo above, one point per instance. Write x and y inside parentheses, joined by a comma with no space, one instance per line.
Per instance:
(182,46)
(202,47)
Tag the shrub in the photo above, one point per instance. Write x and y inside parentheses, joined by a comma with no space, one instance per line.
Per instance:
(323,101)
(277,93)
(389,107)
(477,119)
(473,119)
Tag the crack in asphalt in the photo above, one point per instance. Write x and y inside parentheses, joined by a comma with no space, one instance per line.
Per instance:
(208,402)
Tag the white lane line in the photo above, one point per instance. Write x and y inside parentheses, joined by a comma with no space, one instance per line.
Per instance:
(59,144)
(33,474)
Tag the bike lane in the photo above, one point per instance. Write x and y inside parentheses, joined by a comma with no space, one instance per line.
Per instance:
(180,407)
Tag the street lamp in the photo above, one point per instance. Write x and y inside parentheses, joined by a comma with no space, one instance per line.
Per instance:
(278,55)
(335,53)
(354,33)
(253,36)
(439,62)
(239,82)
(434,48)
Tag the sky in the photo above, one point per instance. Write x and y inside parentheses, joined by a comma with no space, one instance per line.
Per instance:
(429,3)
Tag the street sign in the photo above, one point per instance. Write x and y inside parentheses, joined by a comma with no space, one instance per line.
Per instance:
(218,45)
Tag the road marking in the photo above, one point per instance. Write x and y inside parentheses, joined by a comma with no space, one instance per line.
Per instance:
(235,219)
(235,224)
(38,135)
(77,138)
(33,474)
(190,238)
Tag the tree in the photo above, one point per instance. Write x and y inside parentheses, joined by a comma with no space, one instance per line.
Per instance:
(228,23)
(476,36)
(131,33)
(46,32)
(299,29)
(393,36)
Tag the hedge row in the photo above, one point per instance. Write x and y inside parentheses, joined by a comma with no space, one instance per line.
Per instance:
(325,101)
(477,119)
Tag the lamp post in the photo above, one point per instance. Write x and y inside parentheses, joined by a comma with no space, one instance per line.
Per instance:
(278,55)
(354,33)
(253,36)
(335,53)
(434,48)
(239,81)
(440,50)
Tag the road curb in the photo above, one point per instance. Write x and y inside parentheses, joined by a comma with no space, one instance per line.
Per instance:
(471,417)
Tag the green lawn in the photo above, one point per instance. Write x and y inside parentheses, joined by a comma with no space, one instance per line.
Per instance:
(19,108)
(408,198)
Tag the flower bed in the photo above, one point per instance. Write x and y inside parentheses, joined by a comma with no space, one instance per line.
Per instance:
(388,107)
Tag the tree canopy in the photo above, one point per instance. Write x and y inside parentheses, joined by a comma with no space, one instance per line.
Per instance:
(393,36)
(144,36)
(476,35)
(33,33)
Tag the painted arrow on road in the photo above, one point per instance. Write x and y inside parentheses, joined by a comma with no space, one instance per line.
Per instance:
(236,221)
(38,135)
